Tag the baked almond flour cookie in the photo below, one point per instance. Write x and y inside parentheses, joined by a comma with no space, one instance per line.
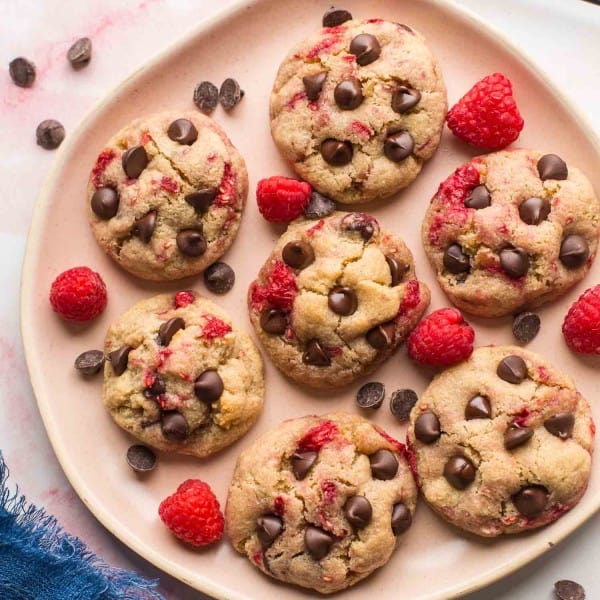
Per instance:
(166,195)
(180,377)
(502,442)
(358,108)
(335,298)
(320,501)
(511,230)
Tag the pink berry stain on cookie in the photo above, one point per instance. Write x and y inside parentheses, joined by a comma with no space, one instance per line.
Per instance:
(104,159)
(214,328)
(279,291)
(412,297)
(226,187)
(319,435)
(169,185)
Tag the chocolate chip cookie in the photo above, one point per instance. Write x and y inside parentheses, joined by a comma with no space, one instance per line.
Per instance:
(358,108)
(335,298)
(320,501)
(502,442)
(511,230)
(166,195)
(180,377)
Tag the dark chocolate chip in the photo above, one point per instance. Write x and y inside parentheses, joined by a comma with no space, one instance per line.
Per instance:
(512,369)
(50,134)
(118,359)
(219,278)
(156,388)
(169,328)
(460,472)
(273,321)
(335,16)
(361,223)
(404,99)
(230,93)
(427,428)
(336,153)
(531,500)
(174,426)
(141,458)
(183,131)
(366,48)
(319,206)
(302,463)
(381,336)
(144,227)
(315,355)
(455,260)
(534,210)
(398,146)
(478,407)
(201,199)
(515,262)
(516,436)
(342,300)
(80,53)
(90,362)
(268,528)
(206,96)
(191,242)
(22,72)
(371,395)
(402,402)
(134,161)
(298,254)
(479,198)
(358,511)
(384,465)
(401,518)
(313,84)
(574,251)
(317,541)
(105,202)
(551,166)
(208,386)
(561,425)
(568,590)
(526,326)
(396,270)
(348,94)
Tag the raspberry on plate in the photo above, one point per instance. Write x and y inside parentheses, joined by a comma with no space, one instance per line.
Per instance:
(487,116)
(193,513)
(581,326)
(78,294)
(441,339)
(281,199)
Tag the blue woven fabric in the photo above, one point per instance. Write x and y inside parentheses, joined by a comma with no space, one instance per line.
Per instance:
(40,561)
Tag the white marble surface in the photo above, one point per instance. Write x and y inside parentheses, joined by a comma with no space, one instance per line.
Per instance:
(561,36)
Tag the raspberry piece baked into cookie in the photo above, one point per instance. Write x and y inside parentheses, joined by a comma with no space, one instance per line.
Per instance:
(320,501)
(502,442)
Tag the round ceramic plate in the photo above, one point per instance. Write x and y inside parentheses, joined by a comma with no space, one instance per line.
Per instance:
(248,42)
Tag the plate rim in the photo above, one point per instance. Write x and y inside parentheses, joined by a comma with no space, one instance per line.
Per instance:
(40,210)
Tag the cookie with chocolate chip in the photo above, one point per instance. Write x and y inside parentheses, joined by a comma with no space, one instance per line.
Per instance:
(166,194)
(502,442)
(321,502)
(180,377)
(335,298)
(357,109)
(511,230)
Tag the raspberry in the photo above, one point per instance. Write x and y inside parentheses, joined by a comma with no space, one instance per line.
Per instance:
(281,199)
(441,339)
(193,513)
(183,298)
(279,291)
(487,115)
(581,326)
(78,294)
(318,436)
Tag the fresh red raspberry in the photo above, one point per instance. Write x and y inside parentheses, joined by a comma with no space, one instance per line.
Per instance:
(281,199)
(441,339)
(487,116)
(78,294)
(581,326)
(193,513)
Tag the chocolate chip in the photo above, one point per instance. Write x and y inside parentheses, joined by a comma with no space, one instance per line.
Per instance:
(358,511)
(561,425)
(335,16)
(80,53)
(366,225)
(273,321)
(144,227)
(315,355)
(381,336)
(206,96)
(336,153)
(427,428)
(366,48)
(118,359)
(568,590)
(404,99)
(516,436)
(348,94)
(134,161)
(384,465)
(191,242)
(141,458)
(342,300)
(90,362)
(298,254)
(208,386)
(302,463)
(174,426)
(230,93)
(318,206)
(398,146)
(531,500)
(551,166)
(50,134)
(22,72)
(313,84)
(479,198)
(574,251)
(370,395)
(183,131)
(219,278)
(402,402)
(478,407)
(169,328)
(526,326)
(460,472)
(396,270)
(401,518)
(317,541)
(515,262)
(268,528)
(201,199)
(105,202)
(534,210)
(156,388)
(455,260)
(512,369)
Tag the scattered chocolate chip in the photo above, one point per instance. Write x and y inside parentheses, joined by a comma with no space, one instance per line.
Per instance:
(551,166)
(455,260)
(358,511)
(534,210)
(201,199)
(183,132)
(402,402)
(317,541)
(574,251)
(313,84)
(156,388)
(561,425)
(479,198)
(144,227)
(335,16)
(381,336)
(22,72)
(370,395)
(134,161)
(531,500)
(512,369)
(478,407)
(80,53)
(169,328)
(174,426)
(141,458)
(50,134)
(206,96)
(208,386)
(191,242)
(118,359)
(90,362)
(298,254)
(219,278)
(404,99)
(230,93)
(105,202)
(273,321)
(460,472)
(348,94)
(315,355)
(268,528)
(427,428)
(342,300)
(396,271)
(318,206)
(568,590)
(336,153)
(526,326)
(384,465)
(401,518)
(361,223)
(302,463)
(366,48)
(398,146)
(515,262)
(516,435)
